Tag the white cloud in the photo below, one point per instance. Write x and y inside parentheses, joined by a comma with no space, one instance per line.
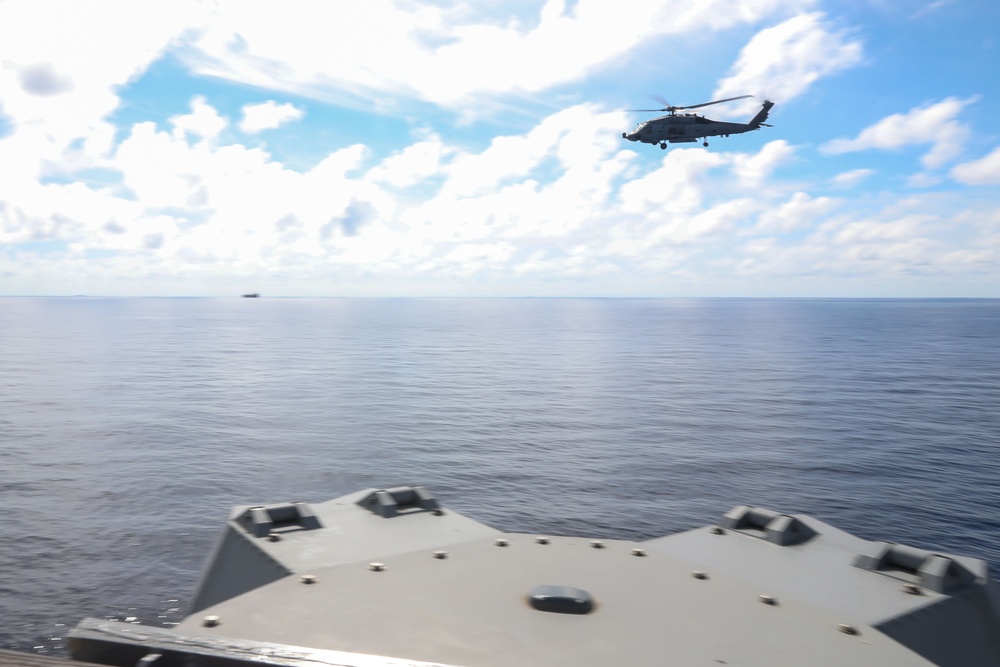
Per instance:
(203,121)
(565,203)
(933,124)
(447,56)
(63,61)
(754,169)
(868,231)
(923,179)
(915,246)
(801,211)
(930,7)
(268,116)
(984,171)
(848,179)
(43,79)
(413,164)
(781,62)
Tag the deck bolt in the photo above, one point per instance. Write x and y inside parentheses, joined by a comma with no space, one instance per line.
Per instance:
(542,540)
(767,599)
(211,621)
(716,530)
(501,542)
(639,552)
(847,629)
(308,579)
(912,589)
(698,574)
(376,567)
(440,555)
(597,544)
(274,537)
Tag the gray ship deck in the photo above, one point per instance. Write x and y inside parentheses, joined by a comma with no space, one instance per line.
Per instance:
(388,577)
(22,659)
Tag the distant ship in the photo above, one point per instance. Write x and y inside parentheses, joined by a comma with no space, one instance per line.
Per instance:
(255,295)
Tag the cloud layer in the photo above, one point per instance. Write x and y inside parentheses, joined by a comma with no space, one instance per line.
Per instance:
(201,200)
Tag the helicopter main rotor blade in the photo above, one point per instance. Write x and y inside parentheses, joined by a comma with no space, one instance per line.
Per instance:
(671,108)
(705,104)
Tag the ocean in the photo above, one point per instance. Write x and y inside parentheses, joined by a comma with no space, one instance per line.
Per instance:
(130,426)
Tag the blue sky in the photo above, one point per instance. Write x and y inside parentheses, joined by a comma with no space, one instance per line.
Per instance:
(407,148)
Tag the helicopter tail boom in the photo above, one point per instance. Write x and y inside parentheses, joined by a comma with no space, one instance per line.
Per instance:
(761,116)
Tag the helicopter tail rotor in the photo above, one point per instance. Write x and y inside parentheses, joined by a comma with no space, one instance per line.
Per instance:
(761,116)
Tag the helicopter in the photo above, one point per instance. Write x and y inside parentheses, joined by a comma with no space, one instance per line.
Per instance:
(689,127)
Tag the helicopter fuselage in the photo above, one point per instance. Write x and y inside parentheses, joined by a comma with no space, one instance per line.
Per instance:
(687,128)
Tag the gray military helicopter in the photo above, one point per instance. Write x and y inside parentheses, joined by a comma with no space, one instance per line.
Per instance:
(689,127)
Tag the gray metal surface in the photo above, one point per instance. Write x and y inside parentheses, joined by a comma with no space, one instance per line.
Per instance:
(389,573)
(114,643)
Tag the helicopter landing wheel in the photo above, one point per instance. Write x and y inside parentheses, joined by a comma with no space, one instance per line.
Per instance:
(663,146)
(705,144)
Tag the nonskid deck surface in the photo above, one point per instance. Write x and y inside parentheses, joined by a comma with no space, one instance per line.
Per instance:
(21,659)
(391,573)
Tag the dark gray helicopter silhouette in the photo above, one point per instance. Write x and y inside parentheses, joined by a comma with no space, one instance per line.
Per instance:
(689,127)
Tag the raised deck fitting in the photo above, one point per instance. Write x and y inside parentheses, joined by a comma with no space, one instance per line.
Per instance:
(934,572)
(436,588)
(265,520)
(388,503)
(779,529)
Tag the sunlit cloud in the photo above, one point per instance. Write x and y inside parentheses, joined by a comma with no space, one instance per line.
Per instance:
(782,62)
(447,56)
(934,124)
(984,171)
(268,116)
(851,178)
(271,182)
(203,121)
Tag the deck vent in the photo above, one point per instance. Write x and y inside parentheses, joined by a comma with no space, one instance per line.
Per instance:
(265,520)
(561,599)
(388,503)
(779,529)
(931,571)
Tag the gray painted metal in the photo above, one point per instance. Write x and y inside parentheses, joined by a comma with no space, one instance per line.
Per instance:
(22,659)
(388,572)
(114,643)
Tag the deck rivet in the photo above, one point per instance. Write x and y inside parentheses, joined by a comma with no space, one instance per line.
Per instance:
(274,537)
(847,629)
(501,542)
(211,621)
(638,552)
(716,530)
(440,554)
(308,579)
(542,540)
(698,574)
(767,599)
(597,544)
(376,567)
(912,589)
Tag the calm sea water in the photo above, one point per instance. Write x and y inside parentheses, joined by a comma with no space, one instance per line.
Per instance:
(128,427)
